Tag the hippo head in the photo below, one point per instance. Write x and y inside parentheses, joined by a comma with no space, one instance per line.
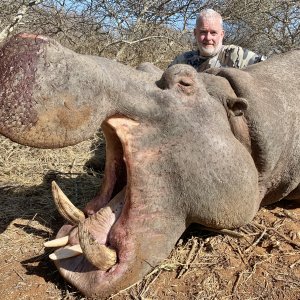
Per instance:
(176,151)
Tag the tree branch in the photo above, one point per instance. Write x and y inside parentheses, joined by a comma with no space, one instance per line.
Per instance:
(17,19)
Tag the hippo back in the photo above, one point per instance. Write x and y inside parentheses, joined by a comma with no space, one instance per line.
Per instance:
(272,91)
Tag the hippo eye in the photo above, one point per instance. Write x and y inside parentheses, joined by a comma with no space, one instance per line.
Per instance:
(185,83)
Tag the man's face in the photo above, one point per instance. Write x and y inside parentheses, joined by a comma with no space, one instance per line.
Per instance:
(209,36)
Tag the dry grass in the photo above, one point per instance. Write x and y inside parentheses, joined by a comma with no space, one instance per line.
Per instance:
(263,265)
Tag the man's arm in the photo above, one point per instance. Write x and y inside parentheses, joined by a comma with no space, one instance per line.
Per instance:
(188,58)
(238,57)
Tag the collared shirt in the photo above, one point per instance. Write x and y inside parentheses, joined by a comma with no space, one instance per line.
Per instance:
(229,56)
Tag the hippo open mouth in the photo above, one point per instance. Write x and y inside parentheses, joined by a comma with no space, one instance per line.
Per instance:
(94,244)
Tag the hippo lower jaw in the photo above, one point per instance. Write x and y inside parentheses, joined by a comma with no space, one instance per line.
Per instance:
(116,244)
(91,256)
(90,253)
(93,246)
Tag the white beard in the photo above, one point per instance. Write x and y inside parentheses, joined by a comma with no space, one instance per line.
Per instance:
(209,51)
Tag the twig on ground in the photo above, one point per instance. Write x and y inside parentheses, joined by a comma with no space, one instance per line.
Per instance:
(294,243)
(236,247)
(190,258)
(72,165)
(295,263)
(148,284)
(30,221)
(224,231)
(8,185)
(286,238)
(247,232)
(158,269)
(19,275)
(237,282)
(256,264)
(257,241)
(290,215)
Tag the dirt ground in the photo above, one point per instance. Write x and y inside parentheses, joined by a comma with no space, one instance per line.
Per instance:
(263,264)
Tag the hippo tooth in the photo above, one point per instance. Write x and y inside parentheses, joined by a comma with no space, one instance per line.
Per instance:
(97,254)
(65,207)
(60,242)
(66,252)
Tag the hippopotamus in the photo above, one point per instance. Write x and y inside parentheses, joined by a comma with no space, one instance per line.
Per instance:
(181,147)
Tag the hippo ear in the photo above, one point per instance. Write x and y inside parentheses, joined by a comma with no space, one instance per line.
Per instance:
(237,105)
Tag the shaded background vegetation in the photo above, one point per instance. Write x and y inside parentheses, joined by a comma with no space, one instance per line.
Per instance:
(134,31)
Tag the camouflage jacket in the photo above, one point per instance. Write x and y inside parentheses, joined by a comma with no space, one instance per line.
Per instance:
(229,56)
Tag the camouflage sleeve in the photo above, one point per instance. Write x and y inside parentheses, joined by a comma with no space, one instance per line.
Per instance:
(238,57)
(189,58)
(179,59)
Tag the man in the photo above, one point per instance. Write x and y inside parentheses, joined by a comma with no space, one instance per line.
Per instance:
(209,34)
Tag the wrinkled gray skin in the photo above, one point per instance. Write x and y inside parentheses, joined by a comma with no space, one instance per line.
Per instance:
(205,148)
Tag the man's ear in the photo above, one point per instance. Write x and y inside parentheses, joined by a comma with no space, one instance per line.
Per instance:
(237,106)
(223,34)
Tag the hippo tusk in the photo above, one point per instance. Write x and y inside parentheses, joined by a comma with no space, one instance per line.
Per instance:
(60,242)
(66,252)
(65,207)
(97,254)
